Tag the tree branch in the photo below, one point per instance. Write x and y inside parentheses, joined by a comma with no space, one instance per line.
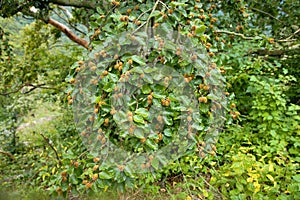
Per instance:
(7,154)
(75,3)
(288,39)
(65,20)
(257,38)
(47,140)
(261,11)
(276,53)
(237,34)
(42,86)
(68,33)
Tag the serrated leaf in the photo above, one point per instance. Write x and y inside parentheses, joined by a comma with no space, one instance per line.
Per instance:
(200,30)
(139,133)
(138,60)
(73,179)
(146,89)
(168,132)
(155,13)
(155,163)
(150,143)
(104,175)
(158,96)
(138,118)
(168,120)
(142,112)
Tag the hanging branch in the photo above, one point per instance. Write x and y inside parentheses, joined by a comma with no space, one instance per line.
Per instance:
(68,32)
(65,20)
(63,28)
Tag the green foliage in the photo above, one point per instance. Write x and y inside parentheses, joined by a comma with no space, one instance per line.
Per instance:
(255,45)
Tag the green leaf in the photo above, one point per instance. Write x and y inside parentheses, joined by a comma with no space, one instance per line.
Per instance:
(150,69)
(147,78)
(158,95)
(168,120)
(155,163)
(139,133)
(200,30)
(168,132)
(297,178)
(155,13)
(150,143)
(142,112)
(138,60)
(175,4)
(146,89)
(104,175)
(73,179)
(138,118)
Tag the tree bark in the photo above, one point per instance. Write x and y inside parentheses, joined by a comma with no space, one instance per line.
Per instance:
(68,33)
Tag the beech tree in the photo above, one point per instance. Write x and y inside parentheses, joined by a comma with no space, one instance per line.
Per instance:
(254,45)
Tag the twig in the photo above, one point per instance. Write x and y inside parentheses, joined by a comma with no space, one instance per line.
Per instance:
(288,39)
(164,4)
(42,86)
(47,140)
(237,34)
(7,154)
(63,28)
(143,13)
(261,11)
(257,38)
(138,28)
(67,21)
(153,9)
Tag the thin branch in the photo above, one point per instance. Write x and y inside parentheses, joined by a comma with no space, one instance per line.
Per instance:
(47,140)
(41,86)
(65,20)
(75,3)
(146,22)
(12,92)
(263,12)
(237,34)
(143,13)
(66,12)
(7,154)
(64,29)
(276,53)
(68,33)
(288,39)
(257,38)
(164,4)
(153,9)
